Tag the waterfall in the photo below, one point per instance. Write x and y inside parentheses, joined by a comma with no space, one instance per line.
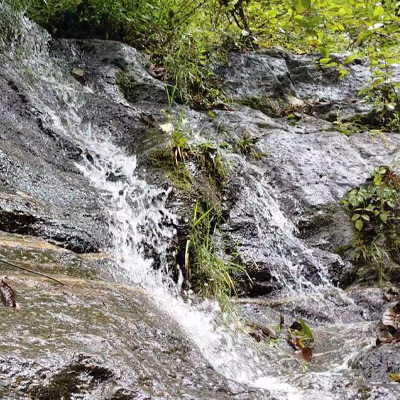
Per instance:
(136,213)
(139,220)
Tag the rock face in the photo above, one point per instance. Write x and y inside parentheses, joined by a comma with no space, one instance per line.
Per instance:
(93,339)
(65,100)
(265,78)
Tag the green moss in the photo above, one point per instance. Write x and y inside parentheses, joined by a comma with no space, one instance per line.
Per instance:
(266,105)
(179,175)
(342,249)
(211,161)
(69,381)
(127,85)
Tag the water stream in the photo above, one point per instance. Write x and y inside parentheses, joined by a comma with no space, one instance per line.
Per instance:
(136,213)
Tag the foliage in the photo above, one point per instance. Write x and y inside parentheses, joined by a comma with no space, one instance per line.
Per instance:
(301,339)
(347,128)
(246,144)
(211,160)
(188,36)
(208,270)
(385,100)
(178,142)
(8,25)
(375,211)
(179,175)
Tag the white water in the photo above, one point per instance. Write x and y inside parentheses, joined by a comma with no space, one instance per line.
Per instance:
(137,215)
(133,205)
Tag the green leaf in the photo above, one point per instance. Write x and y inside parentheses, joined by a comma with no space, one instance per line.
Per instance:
(366,217)
(362,36)
(355,217)
(395,377)
(369,207)
(350,58)
(306,330)
(379,11)
(211,114)
(324,60)
(301,6)
(383,216)
(332,64)
(359,225)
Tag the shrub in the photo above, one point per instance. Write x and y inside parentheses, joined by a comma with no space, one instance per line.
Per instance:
(375,210)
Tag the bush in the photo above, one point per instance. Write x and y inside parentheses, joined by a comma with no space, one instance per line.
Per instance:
(375,210)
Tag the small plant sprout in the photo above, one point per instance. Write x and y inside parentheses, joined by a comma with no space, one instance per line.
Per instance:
(246,144)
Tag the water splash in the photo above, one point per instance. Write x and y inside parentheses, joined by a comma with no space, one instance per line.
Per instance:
(137,213)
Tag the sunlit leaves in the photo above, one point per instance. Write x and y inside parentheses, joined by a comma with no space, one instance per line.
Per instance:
(379,11)
(301,6)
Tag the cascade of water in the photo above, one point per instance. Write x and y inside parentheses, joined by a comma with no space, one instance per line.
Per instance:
(136,213)
(288,257)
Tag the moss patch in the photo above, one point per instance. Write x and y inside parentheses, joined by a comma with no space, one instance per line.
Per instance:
(266,105)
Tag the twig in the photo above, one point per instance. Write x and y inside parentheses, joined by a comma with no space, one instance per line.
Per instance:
(31,271)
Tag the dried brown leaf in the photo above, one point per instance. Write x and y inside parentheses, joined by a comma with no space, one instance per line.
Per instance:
(391,317)
(306,354)
(156,72)
(260,332)
(391,295)
(8,295)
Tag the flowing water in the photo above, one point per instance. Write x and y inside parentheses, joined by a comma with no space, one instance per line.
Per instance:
(138,218)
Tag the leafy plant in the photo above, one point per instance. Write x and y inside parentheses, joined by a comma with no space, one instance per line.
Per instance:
(207,269)
(375,211)
(347,128)
(9,23)
(246,147)
(211,160)
(377,201)
(178,142)
(301,339)
(246,144)
(187,37)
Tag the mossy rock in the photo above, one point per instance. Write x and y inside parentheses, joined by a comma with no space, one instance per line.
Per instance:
(266,105)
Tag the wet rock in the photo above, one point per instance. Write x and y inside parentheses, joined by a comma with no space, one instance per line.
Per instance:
(280,209)
(109,67)
(99,340)
(377,363)
(41,190)
(269,79)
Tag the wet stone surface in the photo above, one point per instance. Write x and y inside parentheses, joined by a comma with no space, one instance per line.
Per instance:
(93,339)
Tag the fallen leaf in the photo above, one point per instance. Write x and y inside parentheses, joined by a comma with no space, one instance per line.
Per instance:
(156,72)
(148,120)
(395,377)
(306,354)
(8,295)
(260,332)
(391,317)
(300,338)
(391,295)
